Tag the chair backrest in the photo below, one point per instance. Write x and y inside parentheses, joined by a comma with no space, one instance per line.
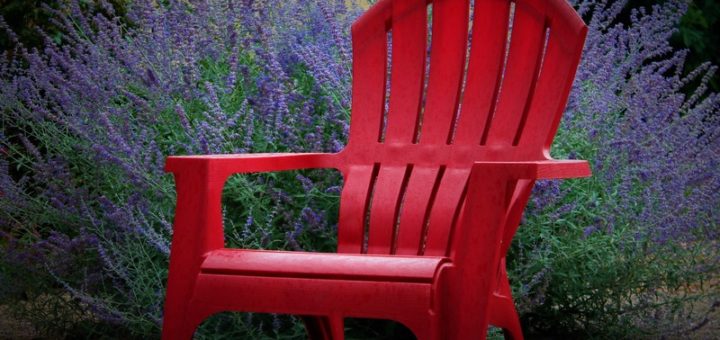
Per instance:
(491,88)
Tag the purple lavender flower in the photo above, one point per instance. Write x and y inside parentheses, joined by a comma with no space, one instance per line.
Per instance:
(90,120)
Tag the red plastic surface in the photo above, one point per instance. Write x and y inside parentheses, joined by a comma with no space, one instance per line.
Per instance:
(436,185)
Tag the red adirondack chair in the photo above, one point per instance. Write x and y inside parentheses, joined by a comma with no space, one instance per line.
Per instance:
(434,188)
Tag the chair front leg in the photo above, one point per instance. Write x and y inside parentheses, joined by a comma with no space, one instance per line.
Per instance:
(476,253)
(504,315)
(325,327)
(197,229)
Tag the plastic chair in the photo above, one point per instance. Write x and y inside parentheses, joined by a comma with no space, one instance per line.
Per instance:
(434,186)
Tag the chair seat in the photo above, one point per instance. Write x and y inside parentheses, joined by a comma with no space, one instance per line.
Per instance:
(388,268)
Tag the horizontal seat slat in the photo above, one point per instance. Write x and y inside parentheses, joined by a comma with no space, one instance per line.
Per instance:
(329,266)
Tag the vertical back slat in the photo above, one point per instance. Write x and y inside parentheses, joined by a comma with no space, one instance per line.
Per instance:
(487,53)
(409,29)
(548,97)
(369,72)
(563,51)
(447,64)
(353,207)
(522,69)
(384,208)
(412,216)
(447,203)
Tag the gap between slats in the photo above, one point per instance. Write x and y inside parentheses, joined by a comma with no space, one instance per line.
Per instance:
(368,207)
(428,210)
(461,96)
(456,217)
(398,207)
(386,93)
(426,76)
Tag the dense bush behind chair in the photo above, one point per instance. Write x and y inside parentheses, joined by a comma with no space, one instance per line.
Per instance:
(437,172)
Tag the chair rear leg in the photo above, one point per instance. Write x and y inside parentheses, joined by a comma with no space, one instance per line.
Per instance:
(324,328)
(513,330)
(501,301)
(177,329)
(194,316)
(177,313)
(337,327)
(317,327)
(505,316)
(424,327)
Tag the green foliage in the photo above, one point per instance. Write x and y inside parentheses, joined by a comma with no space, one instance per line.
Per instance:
(698,32)
(572,283)
(26,17)
(570,280)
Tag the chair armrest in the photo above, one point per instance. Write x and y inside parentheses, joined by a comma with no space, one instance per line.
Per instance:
(255,162)
(544,169)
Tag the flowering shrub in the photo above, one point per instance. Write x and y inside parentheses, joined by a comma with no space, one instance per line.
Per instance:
(87,121)
(615,253)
